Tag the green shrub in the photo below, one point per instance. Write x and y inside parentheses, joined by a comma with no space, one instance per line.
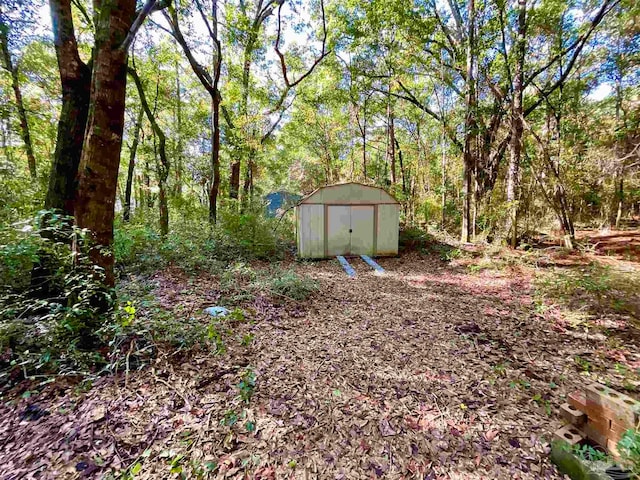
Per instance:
(629,447)
(290,285)
(414,238)
(54,300)
(194,245)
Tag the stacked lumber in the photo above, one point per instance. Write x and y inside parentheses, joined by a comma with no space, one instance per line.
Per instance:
(600,414)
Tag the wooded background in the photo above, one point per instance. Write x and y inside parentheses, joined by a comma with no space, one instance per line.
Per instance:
(491,120)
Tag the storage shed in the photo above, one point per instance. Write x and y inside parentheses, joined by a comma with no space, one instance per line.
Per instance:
(347,219)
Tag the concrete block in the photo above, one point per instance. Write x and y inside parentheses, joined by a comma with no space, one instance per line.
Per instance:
(573,415)
(605,402)
(569,434)
(577,400)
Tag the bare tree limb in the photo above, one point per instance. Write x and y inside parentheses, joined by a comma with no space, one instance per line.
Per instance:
(577,48)
(289,84)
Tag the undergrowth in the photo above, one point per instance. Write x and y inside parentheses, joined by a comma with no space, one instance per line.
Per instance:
(57,316)
(194,245)
(53,302)
(593,288)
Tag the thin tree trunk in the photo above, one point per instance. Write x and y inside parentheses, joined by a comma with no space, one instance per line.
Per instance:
(126,213)
(178,169)
(234,180)
(98,171)
(75,78)
(517,130)
(215,159)
(392,137)
(470,127)
(163,166)
(7,63)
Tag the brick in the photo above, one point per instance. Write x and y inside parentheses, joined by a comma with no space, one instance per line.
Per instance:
(624,418)
(612,430)
(569,434)
(572,415)
(612,448)
(595,435)
(578,400)
(604,401)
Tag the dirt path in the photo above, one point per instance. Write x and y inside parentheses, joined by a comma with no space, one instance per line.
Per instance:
(425,372)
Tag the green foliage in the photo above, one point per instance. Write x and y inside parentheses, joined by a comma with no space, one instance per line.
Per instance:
(414,238)
(290,285)
(194,245)
(54,300)
(587,452)
(594,289)
(629,447)
(247,385)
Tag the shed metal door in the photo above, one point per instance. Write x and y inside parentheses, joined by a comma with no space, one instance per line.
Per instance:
(350,230)
(362,230)
(338,230)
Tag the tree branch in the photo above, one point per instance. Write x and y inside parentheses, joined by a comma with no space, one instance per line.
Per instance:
(283,65)
(577,46)
(141,15)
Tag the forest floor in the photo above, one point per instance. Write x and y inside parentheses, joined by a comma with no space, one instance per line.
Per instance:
(451,365)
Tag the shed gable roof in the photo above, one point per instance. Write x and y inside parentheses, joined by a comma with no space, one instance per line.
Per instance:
(351,193)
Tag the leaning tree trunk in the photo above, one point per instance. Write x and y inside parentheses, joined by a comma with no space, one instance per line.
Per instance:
(15,85)
(163,166)
(98,171)
(75,78)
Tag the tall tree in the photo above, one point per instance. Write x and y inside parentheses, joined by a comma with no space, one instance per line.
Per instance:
(133,149)
(116,25)
(211,83)
(75,78)
(517,126)
(8,65)
(163,166)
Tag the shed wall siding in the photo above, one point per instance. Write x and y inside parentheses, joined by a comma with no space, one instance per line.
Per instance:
(311,231)
(388,217)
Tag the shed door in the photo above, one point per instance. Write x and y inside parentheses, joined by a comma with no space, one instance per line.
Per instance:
(338,230)
(350,230)
(362,230)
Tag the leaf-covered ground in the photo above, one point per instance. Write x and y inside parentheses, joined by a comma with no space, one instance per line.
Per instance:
(433,370)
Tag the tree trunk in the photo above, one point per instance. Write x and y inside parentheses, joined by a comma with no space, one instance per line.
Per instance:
(215,159)
(392,138)
(126,213)
(248,178)
(17,92)
(443,199)
(162,201)
(163,166)
(179,147)
(75,78)
(234,180)
(98,171)
(517,130)
(470,127)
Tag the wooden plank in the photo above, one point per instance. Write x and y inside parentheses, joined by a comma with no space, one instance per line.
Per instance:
(346,266)
(372,263)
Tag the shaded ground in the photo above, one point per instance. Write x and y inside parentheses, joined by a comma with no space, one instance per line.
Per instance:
(427,372)
(624,244)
